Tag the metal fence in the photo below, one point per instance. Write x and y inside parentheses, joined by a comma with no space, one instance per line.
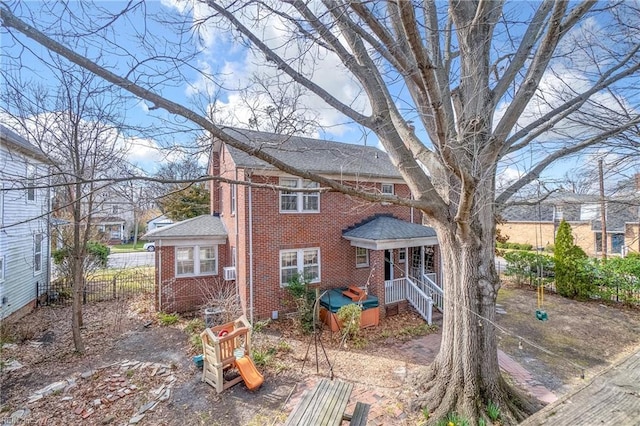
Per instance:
(101,286)
(617,290)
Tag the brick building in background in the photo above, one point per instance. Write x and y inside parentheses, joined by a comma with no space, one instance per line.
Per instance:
(537,224)
(271,235)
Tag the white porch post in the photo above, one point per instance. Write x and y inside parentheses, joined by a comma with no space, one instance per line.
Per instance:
(421,261)
(406,262)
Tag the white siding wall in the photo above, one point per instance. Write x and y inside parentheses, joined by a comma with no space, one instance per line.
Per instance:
(21,221)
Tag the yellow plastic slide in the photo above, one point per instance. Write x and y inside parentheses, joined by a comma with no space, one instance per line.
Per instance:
(251,376)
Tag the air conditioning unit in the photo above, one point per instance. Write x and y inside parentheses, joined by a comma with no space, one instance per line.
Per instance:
(229,273)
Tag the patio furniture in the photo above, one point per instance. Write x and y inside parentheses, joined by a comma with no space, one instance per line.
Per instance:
(325,405)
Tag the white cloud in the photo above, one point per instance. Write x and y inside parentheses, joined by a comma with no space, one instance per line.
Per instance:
(241,66)
(143,151)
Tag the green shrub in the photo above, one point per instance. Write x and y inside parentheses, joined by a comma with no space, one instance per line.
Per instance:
(349,315)
(262,357)
(195,326)
(98,251)
(304,298)
(617,279)
(196,342)
(168,319)
(258,326)
(453,419)
(573,271)
(493,411)
(528,266)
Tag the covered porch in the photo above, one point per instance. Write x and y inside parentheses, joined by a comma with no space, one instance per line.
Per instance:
(404,261)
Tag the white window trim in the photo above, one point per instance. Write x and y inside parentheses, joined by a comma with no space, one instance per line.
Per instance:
(35,264)
(389,185)
(400,259)
(196,261)
(1,203)
(366,263)
(300,263)
(300,196)
(31,175)
(233,195)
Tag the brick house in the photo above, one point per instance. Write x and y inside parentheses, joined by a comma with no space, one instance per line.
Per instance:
(333,239)
(537,224)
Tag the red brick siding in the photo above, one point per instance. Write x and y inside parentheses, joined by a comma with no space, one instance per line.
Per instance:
(274,231)
(182,294)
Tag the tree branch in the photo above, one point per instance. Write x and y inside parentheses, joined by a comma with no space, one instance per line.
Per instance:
(534,173)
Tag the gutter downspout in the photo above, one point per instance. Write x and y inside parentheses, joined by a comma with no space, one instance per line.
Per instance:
(237,236)
(49,263)
(250,251)
(159,268)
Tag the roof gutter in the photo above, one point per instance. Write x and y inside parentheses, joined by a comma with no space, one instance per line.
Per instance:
(250,248)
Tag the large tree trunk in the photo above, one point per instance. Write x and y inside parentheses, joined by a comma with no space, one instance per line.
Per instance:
(465,376)
(76,311)
(77,253)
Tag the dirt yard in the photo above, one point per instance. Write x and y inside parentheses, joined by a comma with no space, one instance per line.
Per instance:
(135,370)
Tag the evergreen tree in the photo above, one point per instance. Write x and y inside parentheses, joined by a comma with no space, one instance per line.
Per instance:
(572,277)
(186,203)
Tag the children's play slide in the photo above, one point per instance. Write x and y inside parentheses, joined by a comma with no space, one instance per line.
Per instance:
(251,376)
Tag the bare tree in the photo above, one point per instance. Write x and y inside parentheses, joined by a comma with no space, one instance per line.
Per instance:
(453,91)
(135,195)
(75,127)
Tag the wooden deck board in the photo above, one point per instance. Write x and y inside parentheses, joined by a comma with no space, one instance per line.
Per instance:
(610,398)
(324,405)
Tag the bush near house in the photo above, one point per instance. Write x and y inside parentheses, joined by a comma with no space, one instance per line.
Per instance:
(618,279)
(514,246)
(97,251)
(574,276)
(528,266)
(304,298)
(577,276)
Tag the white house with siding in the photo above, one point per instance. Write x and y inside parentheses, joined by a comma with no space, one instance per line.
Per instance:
(24,233)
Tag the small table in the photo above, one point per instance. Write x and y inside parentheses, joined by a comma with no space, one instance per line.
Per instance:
(323,406)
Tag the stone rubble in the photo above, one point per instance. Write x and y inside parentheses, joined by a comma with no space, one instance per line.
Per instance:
(115,386)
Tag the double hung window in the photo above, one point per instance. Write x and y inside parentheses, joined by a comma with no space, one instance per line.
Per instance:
(292,201)
(301,262)
(196,260)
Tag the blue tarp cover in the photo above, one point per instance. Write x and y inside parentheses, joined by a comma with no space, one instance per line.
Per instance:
(334,300)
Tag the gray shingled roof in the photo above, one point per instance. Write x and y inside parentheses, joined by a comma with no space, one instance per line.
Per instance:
(617,215)
(618,212)
(521,213)
(17,142)
(314,155)
(197,227)
(388,228)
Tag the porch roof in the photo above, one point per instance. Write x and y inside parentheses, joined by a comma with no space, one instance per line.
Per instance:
(201,227)
(387,232)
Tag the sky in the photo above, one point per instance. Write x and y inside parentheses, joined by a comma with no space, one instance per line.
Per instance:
(234,67)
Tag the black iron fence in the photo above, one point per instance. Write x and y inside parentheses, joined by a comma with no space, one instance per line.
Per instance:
(103,285)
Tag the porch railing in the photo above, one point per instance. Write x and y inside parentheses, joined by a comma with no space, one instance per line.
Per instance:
(432,289)
(419,300)
(395,290)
